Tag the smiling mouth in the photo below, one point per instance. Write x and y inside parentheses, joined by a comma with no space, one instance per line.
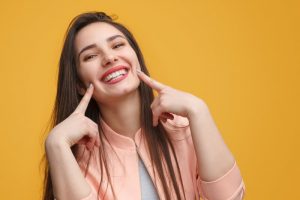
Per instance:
(115,75)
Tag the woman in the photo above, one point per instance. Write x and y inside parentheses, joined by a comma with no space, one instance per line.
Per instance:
(112,139)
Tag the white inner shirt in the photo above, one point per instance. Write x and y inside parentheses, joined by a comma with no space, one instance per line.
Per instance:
(147,187)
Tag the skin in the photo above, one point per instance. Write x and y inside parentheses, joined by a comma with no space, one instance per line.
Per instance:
(118,104)
(117,101)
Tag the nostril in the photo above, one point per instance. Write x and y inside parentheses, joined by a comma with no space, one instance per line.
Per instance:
(108,60)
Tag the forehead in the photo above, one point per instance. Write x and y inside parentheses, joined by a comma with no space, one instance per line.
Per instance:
(96,32)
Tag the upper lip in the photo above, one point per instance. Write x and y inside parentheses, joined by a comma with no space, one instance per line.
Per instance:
(113,69)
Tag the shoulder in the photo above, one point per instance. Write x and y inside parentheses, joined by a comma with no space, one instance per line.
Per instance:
(178,128)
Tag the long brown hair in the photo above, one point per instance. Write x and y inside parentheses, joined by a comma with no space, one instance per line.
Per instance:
(67,99)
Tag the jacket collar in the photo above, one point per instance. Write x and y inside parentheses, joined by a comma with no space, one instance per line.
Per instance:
(120,141)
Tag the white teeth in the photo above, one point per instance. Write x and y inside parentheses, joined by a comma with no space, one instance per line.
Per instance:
(115,75)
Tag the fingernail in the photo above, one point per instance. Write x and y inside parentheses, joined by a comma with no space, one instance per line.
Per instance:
(90,85)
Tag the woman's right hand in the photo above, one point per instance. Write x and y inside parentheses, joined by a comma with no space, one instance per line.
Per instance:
(77,128)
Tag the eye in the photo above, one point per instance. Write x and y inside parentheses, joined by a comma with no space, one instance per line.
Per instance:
(118,45)
(89,57)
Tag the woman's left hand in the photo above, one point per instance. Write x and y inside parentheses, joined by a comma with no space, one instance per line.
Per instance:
(169,100)
(213,157)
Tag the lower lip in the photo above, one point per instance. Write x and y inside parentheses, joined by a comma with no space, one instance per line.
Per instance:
(116,80)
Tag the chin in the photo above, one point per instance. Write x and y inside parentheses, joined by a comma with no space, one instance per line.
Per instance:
(129,90)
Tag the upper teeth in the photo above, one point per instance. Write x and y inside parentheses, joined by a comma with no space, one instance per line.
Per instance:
(115,74)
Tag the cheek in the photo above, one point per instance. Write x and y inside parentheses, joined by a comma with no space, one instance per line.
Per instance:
(136,64)
(133,85)
(131,55)
(87,76)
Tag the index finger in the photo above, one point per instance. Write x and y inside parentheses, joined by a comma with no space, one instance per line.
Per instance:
(82,106)
(150,82)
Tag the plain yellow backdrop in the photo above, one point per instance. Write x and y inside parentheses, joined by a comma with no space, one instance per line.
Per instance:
(241,57)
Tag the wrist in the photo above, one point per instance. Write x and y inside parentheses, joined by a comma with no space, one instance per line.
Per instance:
(196,108)
(54,141)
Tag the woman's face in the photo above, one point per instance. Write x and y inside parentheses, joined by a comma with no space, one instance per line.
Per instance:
(106,60)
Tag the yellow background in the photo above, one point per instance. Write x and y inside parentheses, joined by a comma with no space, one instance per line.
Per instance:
(241,57)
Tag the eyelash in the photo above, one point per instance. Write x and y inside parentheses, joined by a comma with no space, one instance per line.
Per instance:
(91,56)
(88,57)
(118,45)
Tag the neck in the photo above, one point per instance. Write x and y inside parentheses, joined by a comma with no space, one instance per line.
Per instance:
(123,115)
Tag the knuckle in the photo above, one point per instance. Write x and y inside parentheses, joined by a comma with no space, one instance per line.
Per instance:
(78,116)
(166,89)
(86,127)
(161,103)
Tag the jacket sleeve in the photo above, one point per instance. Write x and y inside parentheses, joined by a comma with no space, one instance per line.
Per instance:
(86,162)
(228,187)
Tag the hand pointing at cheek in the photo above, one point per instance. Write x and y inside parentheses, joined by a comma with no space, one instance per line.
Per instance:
(169,100)
(77,128)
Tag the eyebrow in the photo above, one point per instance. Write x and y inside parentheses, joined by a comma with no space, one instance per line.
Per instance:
(94,45)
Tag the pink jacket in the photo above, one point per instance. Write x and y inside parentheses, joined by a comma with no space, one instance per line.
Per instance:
(124,170)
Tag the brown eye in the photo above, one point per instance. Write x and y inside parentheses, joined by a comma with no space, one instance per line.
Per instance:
(118,45)
(89,57)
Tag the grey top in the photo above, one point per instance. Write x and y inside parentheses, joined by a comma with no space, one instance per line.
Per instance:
(147,186)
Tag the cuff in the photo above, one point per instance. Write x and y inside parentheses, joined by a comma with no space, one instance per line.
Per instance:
(226,187)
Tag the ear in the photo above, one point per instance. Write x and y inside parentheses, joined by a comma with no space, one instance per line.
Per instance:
(81,88)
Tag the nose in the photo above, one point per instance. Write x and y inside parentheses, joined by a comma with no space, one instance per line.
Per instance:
(108,59)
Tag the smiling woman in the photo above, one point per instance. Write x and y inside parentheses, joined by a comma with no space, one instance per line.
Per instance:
(101,44)
(112,139)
